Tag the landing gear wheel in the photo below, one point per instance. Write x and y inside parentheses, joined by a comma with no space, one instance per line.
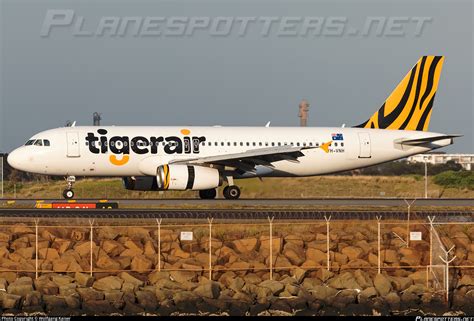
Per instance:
(232,192)
(208,194)
(68,194)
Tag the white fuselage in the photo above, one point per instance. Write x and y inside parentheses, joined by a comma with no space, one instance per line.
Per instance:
(70,152)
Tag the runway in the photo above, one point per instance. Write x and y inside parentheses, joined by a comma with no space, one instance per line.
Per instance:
(443,202)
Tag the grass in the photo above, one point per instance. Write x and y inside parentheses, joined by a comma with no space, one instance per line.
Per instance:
(302,187)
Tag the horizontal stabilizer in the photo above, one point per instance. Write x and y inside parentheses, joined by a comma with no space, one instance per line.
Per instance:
(425,140)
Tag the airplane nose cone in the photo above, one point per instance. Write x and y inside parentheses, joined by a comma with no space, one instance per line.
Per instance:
(15,159)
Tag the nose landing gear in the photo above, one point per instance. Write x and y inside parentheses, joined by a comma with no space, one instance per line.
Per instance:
(68,193)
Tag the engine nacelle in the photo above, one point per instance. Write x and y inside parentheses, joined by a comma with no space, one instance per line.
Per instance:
(140,183)
(182,177)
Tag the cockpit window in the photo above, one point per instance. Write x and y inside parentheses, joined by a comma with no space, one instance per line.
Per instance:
(46,142)
(30,142)
(39,142)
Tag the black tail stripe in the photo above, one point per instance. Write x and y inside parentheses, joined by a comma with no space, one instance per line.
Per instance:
(423,118)
(385,121)
(431,74)
(417,93)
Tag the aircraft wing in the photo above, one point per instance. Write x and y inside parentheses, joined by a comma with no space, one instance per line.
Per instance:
(425,140)
(246,161)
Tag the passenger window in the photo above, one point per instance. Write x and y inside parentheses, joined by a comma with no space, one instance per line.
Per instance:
(248,144)
(38,142)
(298,144)
(235,143)
(241,144)
(335,144)
(46,142)
(342,144)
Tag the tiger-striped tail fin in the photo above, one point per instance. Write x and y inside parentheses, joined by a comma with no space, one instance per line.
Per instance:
(409,106)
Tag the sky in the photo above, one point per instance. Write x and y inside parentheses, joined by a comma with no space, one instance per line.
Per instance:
(208,77)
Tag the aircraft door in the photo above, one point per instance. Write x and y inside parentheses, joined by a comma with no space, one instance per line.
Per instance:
(73,144)
(364,145)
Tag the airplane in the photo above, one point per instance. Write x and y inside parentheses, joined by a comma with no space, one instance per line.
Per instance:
(204,158)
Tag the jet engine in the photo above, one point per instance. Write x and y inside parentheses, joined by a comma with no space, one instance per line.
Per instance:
(182,177)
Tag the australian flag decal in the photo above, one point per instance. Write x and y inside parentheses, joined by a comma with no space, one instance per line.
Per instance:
(337,137)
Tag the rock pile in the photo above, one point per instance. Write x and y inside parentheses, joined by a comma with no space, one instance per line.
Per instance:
(126,279)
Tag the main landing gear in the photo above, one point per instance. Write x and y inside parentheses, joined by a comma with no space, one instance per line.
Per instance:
(230,192)
(68,193)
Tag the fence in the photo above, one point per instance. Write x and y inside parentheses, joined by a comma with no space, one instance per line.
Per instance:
(433,253)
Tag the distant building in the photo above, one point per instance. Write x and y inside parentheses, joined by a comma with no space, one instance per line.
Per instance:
(465,160)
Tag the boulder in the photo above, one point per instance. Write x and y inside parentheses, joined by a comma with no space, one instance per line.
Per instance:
(83,279)
(155,276)
(33,298)
(130,279)
(344,281)
(107,263)
(245,245)
(316,255)
(324,274)
(382,284)
(236,284)
(209,289)
(181,297)
(277,245)
(147,300)
(44,285)
(22,286)
(26,252)
(61,279)
(108,283)
(298,274)
(460,239)
(240,267)
(363,279)
(10,301)
(400,283)
(112,248)
(295,239)
(368,293)
(53,302)
(61,245)
(141,264)
(182,276)
(48,254)
(393,300)
(323,293)
(466,280)
(353,252)
(3,285)
(339,258)
(89,294)
(294,253)
(275,286)
(178,252)
(389,256)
